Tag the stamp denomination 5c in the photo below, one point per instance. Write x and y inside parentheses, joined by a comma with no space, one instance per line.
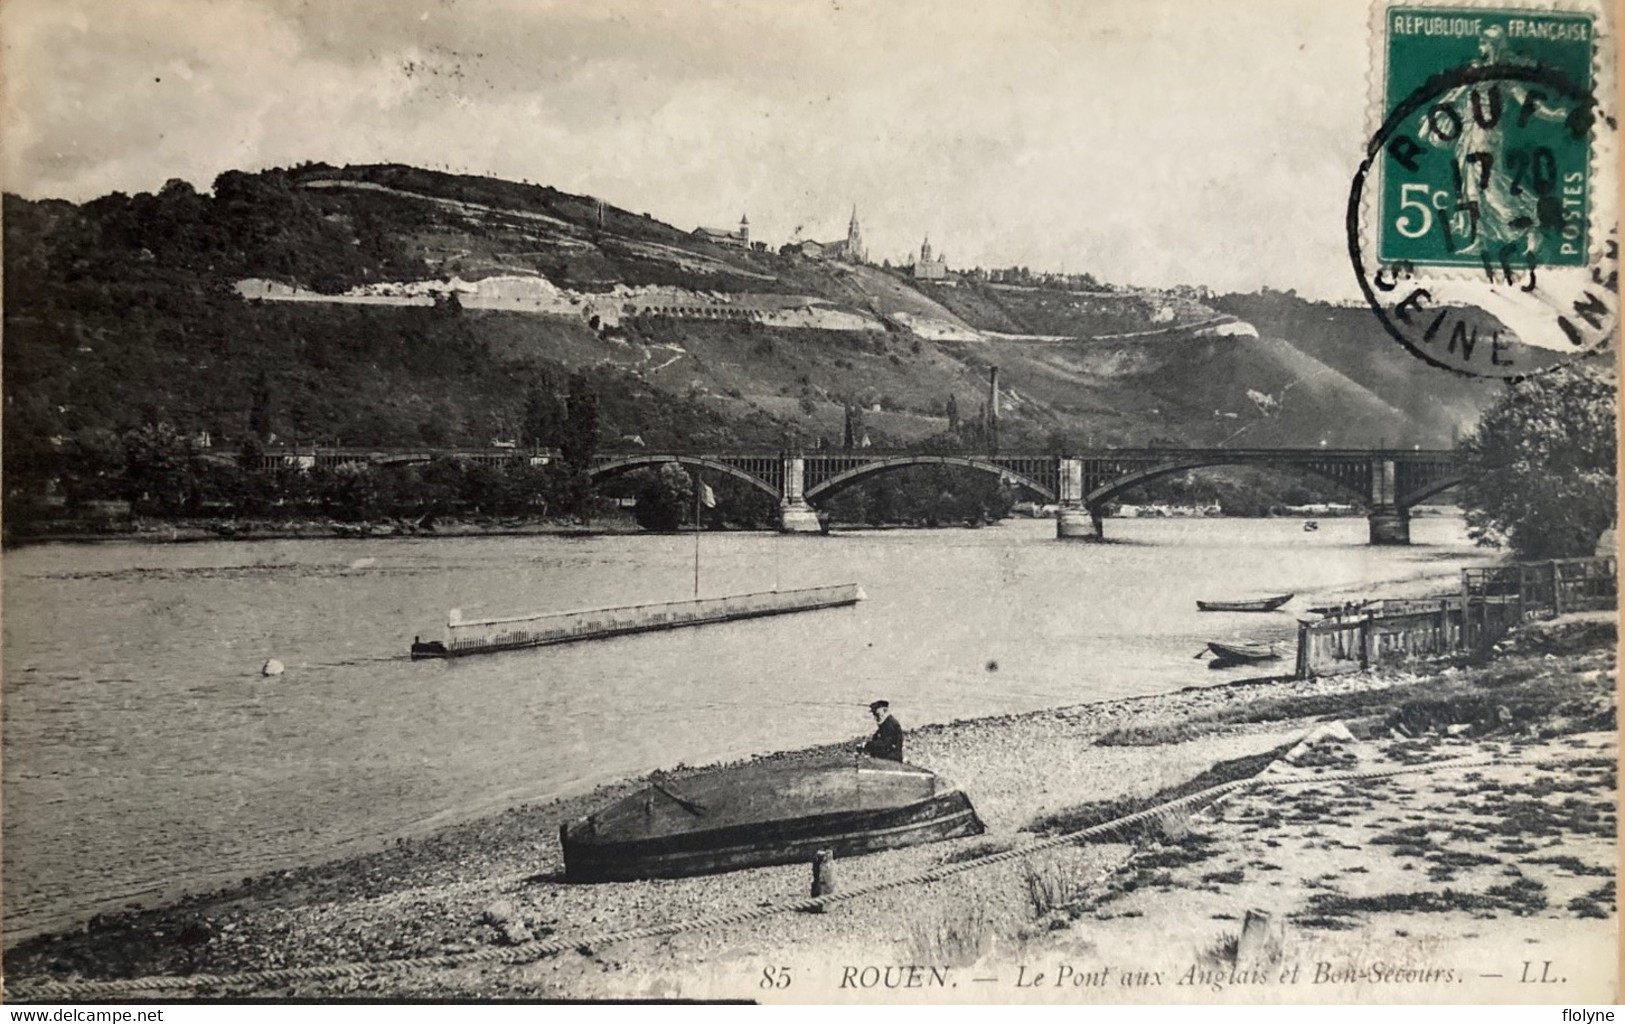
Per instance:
(1482,222)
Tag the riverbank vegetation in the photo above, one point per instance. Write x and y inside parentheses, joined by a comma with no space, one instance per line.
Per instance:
(1541,470)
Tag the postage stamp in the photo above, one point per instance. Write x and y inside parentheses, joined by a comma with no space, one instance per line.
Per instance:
(1482,222)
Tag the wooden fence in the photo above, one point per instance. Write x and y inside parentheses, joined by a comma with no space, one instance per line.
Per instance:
(1491,602)
(1542,589)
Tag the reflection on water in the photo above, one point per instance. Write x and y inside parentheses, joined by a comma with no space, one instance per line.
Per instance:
(142,745)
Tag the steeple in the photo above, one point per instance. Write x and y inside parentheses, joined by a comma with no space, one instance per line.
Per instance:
(744,228)
(854,238)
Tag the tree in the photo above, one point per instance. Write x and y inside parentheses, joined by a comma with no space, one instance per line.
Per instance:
(543,416)
(953,414)
(853,434)
(1539,471)
(580,435)
(663,497)
(259,408)
(160,464)
(580,438)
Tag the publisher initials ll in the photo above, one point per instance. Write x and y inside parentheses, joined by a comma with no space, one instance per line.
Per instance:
(1545,975)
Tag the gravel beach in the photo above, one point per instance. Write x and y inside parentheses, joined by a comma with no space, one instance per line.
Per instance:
(471,910)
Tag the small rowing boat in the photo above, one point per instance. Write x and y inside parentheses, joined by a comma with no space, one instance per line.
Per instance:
(1262,604)
(1242,650)
(764,812)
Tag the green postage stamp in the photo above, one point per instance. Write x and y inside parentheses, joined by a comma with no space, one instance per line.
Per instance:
(1483,221)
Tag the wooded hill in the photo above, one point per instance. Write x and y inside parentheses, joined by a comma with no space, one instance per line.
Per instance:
(122,312)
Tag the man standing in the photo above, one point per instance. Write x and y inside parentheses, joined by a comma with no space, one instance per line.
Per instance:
(887,742)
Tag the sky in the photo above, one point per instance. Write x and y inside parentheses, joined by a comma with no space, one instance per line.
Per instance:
(1149,142)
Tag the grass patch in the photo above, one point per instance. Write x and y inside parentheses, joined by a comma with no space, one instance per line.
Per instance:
(1051,886)
(1073,819)
(1269,709)
(1523,896)
(1580,906)
(953,939)
(976,851)
(1536,818)
(1572,864)
(1461,859)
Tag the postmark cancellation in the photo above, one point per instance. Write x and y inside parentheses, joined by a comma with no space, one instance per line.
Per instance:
(1483,220)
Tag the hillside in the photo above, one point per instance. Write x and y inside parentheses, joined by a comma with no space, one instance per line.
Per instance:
(1347,340)
(386,305)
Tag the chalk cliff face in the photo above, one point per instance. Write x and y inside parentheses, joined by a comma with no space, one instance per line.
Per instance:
(541,297)
(391,305)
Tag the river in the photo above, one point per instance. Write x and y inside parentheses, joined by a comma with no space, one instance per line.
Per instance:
(145,754)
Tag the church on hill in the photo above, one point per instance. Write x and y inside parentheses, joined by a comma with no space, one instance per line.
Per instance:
(722,236)
(848,250)
(928,269)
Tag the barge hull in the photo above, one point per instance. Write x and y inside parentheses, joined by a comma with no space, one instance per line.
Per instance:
(493,635)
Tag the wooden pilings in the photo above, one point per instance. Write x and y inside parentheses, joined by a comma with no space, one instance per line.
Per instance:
(1492,601)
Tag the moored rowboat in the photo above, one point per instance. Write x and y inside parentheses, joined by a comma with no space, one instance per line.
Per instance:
(765,813)
(1242,650)
(1262,604)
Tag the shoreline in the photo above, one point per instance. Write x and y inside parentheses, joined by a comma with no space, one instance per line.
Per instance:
(432,895)
(142,530)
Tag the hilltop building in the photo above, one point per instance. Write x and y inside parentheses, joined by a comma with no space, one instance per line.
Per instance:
(848,250)
(928,269)
(722,236)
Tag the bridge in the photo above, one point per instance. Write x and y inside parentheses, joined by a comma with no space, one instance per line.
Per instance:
(1389,482)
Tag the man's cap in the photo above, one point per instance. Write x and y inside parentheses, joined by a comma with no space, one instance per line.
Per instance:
(879,705)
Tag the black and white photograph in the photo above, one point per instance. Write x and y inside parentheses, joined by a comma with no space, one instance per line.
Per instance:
(874,502)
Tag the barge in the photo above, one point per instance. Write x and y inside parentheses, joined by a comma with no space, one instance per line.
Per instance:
(482,636)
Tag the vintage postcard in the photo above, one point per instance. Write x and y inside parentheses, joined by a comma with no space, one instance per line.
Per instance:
(810,502)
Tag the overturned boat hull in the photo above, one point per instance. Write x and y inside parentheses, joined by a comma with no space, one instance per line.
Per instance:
(765,813)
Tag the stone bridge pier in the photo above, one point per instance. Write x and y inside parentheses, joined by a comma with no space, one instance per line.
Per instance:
(1390,522)
(795,515)
(1074,520)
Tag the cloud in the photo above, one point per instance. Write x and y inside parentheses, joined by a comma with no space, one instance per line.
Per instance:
(1149,142)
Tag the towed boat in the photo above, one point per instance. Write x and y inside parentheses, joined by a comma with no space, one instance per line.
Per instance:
(761,813)
(1262,604)
(1242,650)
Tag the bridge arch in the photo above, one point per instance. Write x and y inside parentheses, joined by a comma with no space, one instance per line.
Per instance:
(627,463)
(1111,489)
(841,481)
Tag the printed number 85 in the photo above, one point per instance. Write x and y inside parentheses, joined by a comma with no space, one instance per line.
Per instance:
(1424,222)
(775,977)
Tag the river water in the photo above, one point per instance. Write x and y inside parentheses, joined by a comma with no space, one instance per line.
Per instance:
(145,752)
